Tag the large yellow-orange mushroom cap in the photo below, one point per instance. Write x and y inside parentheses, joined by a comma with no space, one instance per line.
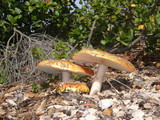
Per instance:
(104,60)
(101,57)
(62,66)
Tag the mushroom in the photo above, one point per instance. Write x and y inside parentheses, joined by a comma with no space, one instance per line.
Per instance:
(72,87)
(62,66)
(104,60)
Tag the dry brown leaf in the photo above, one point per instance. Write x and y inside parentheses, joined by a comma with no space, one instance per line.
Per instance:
(107,112)
(137,86)
(157,88)
(90,105)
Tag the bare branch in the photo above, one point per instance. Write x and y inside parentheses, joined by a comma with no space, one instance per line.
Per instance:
(91,32)
(131,45)
(20,59)
(143,34)
(153,7)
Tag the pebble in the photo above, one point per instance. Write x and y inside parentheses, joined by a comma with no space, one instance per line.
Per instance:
(42,117)
(147,106)
(90,117)
(126,102)
(137,115)
(134,106)
(40,110)
(135,118)
(105,103)
(120,114)
(57,106)
(148,118)
(59,115)
(11,102)
(92,110)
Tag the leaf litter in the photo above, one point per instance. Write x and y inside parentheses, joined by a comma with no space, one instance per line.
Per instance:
(117,102)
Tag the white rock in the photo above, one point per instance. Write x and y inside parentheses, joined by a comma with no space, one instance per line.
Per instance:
(41,109)
(85,113)
(73,112)
(90,117)
(68,107)
(126,95)
(132,75)
(135,118)
(57,106)
(81,118)
(147,105)
(92,110)
(109,92)
(43,117)
(120,114)
(18,96)
(148,118)
(116,109)
(134,106)
(10,117)
(105,103)
(11,102)
(138,115)
(115,101)
(126,102)
(59,114)
(66,102)
(86,96)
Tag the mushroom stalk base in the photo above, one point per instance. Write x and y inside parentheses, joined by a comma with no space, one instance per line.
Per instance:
(97,83)
(65,76)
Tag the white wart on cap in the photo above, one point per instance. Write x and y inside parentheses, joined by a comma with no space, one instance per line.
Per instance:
(54,66)
(104,60)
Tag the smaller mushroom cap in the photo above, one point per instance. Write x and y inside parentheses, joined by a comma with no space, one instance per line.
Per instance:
(72,87)
(57,66)
(101,57)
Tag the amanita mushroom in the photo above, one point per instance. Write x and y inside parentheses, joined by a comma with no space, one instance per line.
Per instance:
(104,60)
(72,87)
(62,66)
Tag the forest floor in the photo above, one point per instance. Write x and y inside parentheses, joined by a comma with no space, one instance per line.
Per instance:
(133,96)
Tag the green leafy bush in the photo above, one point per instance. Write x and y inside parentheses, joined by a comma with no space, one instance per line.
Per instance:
(60,50)
(100,23)
(3,76)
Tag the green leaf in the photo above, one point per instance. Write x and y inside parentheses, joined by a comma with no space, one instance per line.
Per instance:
(17,17)
(3,80)
(31,8)
(96,17)
(81,18)
(34,18)
(81,2)
(10,18)
(27,3)
(121,41)
(130,34)
(118,10)
(56,13)
(103,42)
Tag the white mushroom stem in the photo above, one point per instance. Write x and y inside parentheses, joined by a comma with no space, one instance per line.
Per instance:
(97,82)
(65,76)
